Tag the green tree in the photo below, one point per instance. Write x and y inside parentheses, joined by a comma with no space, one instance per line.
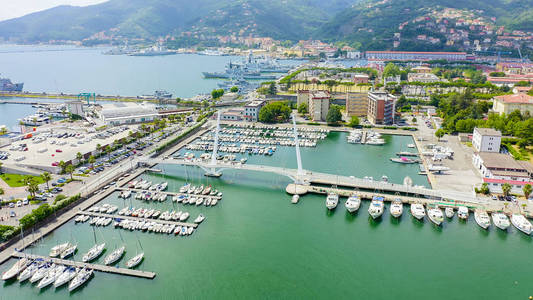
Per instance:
(334,114)
(62,165)
(527,190)
(234,89)
(31,185)
(413,120)
(91,159)
(274,112)
(439,133)
(302,108)
(70,169)
(485,188)
(1,191)
(391,70)
(354,121)
(217,93)
(1,167)
(272,89)
(79,157)
(46,178)
(506,189)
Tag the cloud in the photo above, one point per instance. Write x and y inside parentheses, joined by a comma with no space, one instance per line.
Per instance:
(14,9)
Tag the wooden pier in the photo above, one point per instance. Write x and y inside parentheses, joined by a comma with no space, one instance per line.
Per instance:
(79,264)
(95,214)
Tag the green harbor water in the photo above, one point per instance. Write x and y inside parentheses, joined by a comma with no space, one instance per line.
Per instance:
(256,244)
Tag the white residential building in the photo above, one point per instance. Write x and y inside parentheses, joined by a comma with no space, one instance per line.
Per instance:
(251,110)
(486,140)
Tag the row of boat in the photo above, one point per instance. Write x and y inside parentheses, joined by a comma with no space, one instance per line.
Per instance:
(288,142)
(154,226)
(146,213)
(148,185)
(231,148)
(47,273)
(365,137)
(434,213)
(249,129)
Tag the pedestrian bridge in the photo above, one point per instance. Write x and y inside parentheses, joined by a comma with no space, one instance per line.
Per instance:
(318,178)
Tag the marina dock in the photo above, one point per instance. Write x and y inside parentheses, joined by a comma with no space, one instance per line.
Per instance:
(94,214)
(101,268)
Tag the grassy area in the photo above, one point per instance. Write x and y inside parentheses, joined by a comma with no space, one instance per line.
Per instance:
(17,180)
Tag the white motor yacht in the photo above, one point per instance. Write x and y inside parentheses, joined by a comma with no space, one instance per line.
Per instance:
(81,278)
(462,213)
(353,203)
(500,220)
(134,261)
(67,276)
(332,200)
(482,218)
(449,212)
(418,211)
(199,219)
(115,255)
(184,216)
(521,223)
(396,208)
(18,267)
(295,199)
(435,215)
(377,207)
(93,253)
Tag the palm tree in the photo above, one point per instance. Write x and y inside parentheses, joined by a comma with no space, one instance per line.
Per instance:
(1,167)
(1,191)
(91,159)
(79,157)
(506,189)
(98,147)
(32,185)
(527,190)
(62,165)
(46,178)
(70,169)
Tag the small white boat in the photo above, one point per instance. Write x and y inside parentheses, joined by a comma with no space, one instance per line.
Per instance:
(396,208)
(418,211)
(81,278)
(18,267)
(199,219)
(114,256)
(411,146)
(134,261)
(184,216)
(377,207)
(353,203)
(67,276)
(500,220)
(449,212)
(56,250)
(521,223)
(93,253)
(68,252)
(435,215)
(295,199)
(482,218)
(332,200)
(462,213)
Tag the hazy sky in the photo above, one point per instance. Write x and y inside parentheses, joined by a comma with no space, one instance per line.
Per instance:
(16,8)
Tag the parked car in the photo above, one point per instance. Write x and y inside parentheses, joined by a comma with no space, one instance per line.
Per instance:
(19,203)
(59,150)
(25,202)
